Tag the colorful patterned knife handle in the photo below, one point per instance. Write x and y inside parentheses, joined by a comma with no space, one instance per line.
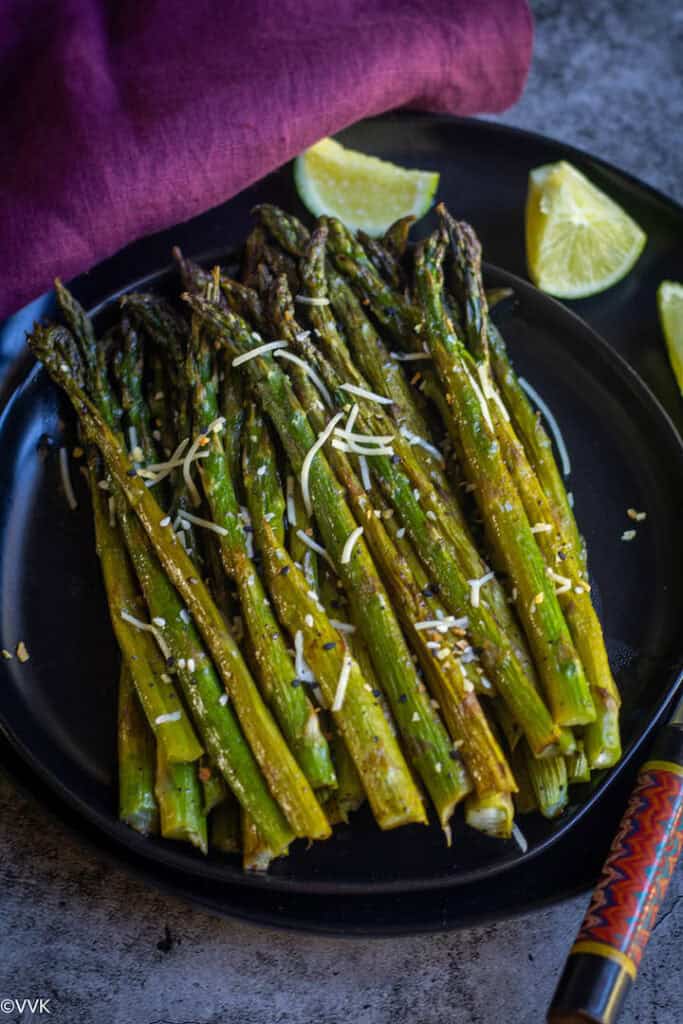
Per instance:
(604,960)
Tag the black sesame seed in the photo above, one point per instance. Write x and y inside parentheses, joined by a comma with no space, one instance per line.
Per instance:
(284,570)
(329,646)
(402,699)
(170,662)
(132,472)
(453,754)
(428,592)
(376,693)
(296,682)
(396,459)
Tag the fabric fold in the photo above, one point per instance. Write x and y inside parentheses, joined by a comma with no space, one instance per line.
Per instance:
(123,119)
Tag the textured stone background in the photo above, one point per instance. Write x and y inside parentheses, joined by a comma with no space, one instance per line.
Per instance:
(606,76)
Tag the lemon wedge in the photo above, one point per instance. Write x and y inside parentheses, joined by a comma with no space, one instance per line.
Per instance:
(362,191)
(670,306)
(579,241)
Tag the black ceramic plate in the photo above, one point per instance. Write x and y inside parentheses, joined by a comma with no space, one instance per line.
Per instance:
(58,710)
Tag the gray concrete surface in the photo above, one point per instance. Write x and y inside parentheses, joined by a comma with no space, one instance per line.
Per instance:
(606,76)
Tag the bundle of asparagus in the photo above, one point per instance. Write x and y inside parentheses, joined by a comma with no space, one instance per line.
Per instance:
(339,556)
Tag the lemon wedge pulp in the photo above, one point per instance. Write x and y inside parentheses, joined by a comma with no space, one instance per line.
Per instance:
(579,241)
(362,191)
(670,306)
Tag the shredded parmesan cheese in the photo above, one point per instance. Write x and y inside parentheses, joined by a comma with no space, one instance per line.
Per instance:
(482,401)
(491,392)
(371,396)
(542,528)
(342,683)
(22,652)
(206,523)
(154,474)
(199,442)
(353,448)
(311,454)
(314,546)
(519,838)
(260,350)
(351,542)
(552,423)
(363,439)
(409,357)
(628,535)
(365,477)
(291,504)
(170,716)
(342,627)
(309,569)
(443,624)
(564,583)
(311,300)
(415,439)
(353,416)
(132,437)
(66,479)
(147,627)
(308,369)
(302,670)
(475,587)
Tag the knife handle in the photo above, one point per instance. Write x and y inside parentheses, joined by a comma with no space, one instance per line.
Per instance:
(605,957)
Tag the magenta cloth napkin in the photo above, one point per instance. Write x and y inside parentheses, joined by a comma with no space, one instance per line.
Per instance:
(127,117)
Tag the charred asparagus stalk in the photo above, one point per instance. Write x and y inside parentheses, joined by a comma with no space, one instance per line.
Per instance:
(276,762)
(357,713)
(276,670)
(413,713)
(136,761)
(603,744)
(507,525)
(179,797)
